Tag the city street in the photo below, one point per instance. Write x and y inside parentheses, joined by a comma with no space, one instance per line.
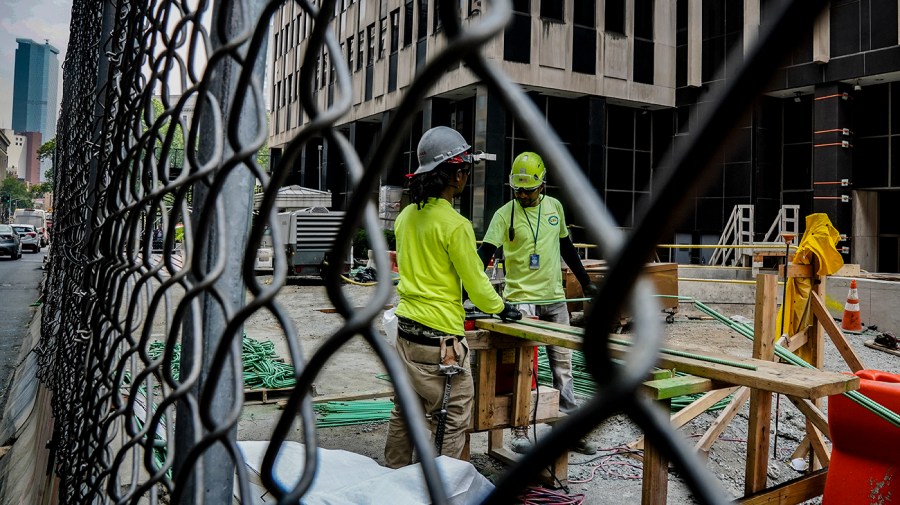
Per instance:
(18,290)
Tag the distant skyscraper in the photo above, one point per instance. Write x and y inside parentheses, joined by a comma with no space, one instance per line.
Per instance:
(35,88)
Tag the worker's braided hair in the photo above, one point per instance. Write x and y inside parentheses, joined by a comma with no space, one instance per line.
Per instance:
(430,184)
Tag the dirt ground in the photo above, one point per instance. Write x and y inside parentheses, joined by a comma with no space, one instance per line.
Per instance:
(602,478)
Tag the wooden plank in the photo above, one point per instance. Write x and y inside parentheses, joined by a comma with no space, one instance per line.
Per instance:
(721,422)
(837,337)
(663,389)
(522,379)
(796,271)
(560,467)
(872,345)
(655,485)
(693,410)
(793,491)
(758,431)
(814,350)
(769,376)
(803,449)
(817,441)
(797,341)
(485,388)
(347,397)
(813,414)
(547,407)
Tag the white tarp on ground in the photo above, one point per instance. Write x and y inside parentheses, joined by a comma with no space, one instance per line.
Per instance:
(345,477)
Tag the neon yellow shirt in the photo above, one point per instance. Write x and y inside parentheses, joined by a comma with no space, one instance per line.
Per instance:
(435,252)
(537,231)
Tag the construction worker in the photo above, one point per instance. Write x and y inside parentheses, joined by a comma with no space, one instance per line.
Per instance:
(435,253)
(531,228)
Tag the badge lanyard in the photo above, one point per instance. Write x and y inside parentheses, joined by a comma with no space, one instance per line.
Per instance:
(534,261)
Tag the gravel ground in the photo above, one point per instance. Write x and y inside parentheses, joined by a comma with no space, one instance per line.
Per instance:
(602,478)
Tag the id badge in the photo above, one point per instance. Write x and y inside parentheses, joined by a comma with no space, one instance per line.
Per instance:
(534,261)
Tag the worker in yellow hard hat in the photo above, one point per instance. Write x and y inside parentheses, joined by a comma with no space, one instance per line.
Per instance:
(531,229)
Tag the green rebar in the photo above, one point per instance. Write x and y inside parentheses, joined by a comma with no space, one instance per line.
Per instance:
(786,355)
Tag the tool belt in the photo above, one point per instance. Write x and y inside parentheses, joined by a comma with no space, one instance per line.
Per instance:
(418,333)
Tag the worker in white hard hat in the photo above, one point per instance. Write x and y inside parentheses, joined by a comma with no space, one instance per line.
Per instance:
(531,229)
(436,258)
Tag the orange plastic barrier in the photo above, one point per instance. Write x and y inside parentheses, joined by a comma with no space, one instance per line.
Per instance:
(865,456)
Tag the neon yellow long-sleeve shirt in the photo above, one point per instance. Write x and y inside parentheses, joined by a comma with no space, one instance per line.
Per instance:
(435,252)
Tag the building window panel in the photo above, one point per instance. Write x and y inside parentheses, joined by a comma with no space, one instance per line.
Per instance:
(361,50)
(382,37)
(643,19)
(371,56)
(797,167)
(584,50)
(422,27)
(871,162)
(883,23)
(408,24)
(552,10)
(615,16)
(523,6)
(517,39)
(395,30)
(845,19)
(584,12)
(643,41)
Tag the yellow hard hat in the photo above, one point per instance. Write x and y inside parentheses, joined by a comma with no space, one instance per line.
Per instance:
(528,171)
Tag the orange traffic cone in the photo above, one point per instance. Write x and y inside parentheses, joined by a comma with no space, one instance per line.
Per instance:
(851,320)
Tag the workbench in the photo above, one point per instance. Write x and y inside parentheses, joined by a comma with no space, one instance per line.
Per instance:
(761,379)
(522,406)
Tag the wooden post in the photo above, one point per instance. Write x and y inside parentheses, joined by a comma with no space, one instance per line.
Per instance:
(486,379)
(761,401)
(655,486)
(814,350)
(521,398)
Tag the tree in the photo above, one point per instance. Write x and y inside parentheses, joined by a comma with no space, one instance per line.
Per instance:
(15,193)
(47,149)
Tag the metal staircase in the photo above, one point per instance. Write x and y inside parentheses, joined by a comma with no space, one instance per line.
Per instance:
(739,232)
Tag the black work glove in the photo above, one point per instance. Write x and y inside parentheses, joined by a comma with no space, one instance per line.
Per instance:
(510,312)
(591,290)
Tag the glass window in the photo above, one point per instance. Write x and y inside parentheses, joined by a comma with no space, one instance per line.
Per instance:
(371,58)
(408,24)
(584,12)
(422,31)
(395,30)
(552,9)
(615,16)
(361,50)
(584,50)
(517,39)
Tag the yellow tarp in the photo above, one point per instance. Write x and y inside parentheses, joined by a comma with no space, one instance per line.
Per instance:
(819,241)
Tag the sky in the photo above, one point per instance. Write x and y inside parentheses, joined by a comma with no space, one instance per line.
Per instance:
(29,19)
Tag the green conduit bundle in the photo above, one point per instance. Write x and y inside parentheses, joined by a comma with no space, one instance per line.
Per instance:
(788,356)
(331,414)
(263,369)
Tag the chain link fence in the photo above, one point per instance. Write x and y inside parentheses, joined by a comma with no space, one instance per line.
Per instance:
(127,428)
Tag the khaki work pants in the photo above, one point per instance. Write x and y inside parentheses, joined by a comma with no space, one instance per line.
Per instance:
(421,362)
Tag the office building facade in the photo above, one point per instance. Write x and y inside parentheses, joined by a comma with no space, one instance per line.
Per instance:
(35,88)
(619,81)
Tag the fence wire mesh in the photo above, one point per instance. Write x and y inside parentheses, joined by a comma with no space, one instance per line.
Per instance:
(155,242)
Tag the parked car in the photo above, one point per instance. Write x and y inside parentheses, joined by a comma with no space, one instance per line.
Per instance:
(29,237)
(9,242)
